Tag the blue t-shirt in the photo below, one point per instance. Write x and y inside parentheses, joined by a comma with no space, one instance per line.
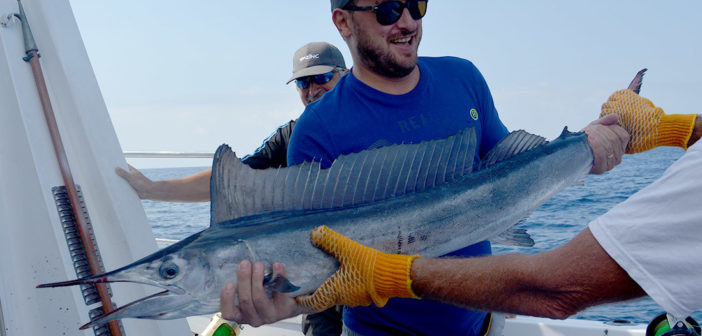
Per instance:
(450,96)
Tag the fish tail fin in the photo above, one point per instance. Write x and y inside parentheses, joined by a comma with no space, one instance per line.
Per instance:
(635,84)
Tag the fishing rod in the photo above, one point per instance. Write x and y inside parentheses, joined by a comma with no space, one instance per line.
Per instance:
(83,227)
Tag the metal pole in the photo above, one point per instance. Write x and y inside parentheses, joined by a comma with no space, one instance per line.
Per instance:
(90,249)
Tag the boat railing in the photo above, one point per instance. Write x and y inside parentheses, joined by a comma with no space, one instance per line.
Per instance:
(167,154)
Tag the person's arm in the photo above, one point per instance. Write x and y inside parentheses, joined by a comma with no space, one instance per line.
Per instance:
(553,284)
(193,188)
(196,187)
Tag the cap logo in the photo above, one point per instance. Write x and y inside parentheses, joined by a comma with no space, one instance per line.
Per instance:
(308,57)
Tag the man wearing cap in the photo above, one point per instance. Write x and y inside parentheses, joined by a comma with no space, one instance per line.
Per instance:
(311,64)
(392,96)
(317,67)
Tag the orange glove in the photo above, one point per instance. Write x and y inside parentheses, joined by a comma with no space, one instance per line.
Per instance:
(366,275)
(647,124)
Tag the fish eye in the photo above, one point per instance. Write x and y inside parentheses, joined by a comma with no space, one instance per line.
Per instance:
(168,270)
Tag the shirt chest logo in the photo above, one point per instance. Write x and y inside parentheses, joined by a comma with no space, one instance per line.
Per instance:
(474,114)
(412,123)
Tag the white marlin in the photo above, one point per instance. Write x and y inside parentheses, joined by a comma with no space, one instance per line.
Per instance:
(428,198)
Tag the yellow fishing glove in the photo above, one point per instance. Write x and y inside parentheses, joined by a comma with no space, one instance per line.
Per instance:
(366,275)
(648,125)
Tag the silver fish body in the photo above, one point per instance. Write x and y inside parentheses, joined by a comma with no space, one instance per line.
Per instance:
(431,223)
(410,199)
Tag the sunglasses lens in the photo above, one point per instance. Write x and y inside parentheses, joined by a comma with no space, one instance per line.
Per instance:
(303,82)
(389,12)
(417,8)
(324,78)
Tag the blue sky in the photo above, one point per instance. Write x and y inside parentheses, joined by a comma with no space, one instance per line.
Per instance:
(191,75)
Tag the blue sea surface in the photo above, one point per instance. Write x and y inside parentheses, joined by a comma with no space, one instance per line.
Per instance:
(552,225)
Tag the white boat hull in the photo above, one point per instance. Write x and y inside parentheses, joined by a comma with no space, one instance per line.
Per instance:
(32,242)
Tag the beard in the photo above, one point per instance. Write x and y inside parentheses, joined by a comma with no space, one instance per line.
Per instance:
(379,61)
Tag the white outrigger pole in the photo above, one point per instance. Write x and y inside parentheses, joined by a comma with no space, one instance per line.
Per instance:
(43,202)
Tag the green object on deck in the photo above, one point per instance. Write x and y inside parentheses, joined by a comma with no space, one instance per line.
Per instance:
(224,330)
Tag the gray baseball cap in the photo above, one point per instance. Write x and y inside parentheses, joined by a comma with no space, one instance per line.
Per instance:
(316,58)
(339,4)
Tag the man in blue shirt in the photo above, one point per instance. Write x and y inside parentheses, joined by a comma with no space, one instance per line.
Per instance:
(392,96)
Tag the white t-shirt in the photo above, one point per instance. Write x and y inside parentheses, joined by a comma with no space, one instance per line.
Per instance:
(656,235)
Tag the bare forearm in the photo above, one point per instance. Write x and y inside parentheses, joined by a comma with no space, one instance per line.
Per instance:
(193,188)
(696,132)
(554,284)
(497,283)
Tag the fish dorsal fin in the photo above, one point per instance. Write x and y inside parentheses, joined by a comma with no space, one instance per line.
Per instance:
(236,190)
(514,143)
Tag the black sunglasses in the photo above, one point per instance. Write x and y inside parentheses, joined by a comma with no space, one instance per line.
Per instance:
(304,82)
(389,12)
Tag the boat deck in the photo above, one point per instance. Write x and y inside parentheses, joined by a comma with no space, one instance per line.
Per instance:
(518,326)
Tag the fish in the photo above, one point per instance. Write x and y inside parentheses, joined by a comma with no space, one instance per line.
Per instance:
(428,198)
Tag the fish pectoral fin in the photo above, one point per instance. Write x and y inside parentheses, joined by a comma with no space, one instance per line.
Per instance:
(277,283)
(514,237)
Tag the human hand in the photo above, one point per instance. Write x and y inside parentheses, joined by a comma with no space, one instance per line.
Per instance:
(608,142)
(141,184)
(255,307)
(647,124)
(366,275)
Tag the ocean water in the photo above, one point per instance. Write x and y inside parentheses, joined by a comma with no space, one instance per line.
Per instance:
(552,225)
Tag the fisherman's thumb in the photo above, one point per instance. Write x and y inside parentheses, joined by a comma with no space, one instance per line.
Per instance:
(608,120)
(604,120)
